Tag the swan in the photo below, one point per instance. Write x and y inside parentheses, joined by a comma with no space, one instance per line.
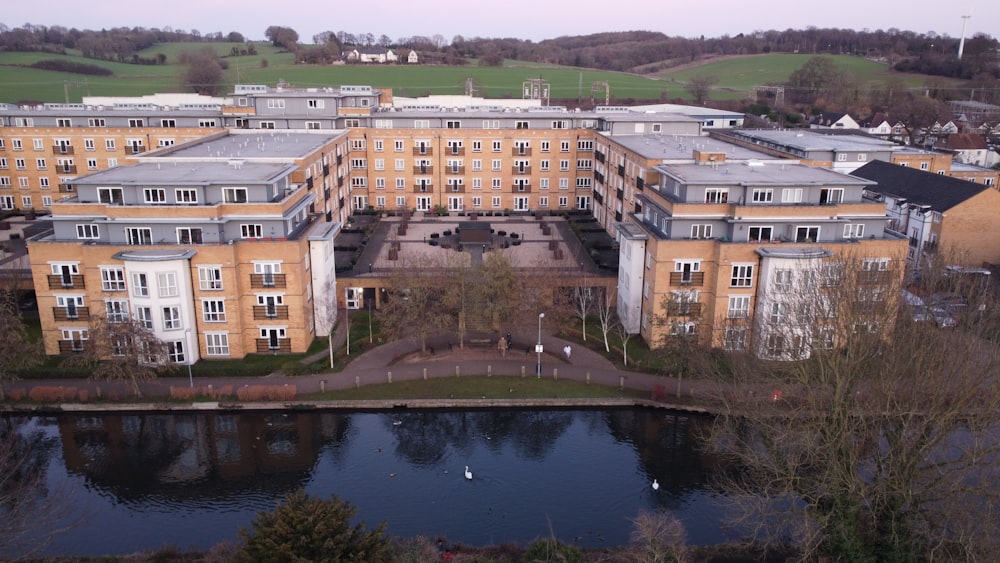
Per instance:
(468,474)
(656,485)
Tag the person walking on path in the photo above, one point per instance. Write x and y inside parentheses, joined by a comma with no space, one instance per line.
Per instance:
(502,346)
(568,350)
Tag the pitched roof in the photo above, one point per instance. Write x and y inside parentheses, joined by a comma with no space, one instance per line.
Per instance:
(962,141)
(940,192)
(827,118)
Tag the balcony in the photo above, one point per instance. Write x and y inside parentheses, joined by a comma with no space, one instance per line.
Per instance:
(276,346)
(340,159)
(423,188)
(71,313)
(692,310)
(66,188)
(687,278)
(423,151)
(621,170)
(62,149)
(309,183)
(520,170)
(521,151)
(425,169)
(454,170)
(67,347)
(58,281)
(455,151)
(521,188)
(270,312)
(326,169)
(65,169)
(620,194)
(640,183)
(263,281)
(134,149)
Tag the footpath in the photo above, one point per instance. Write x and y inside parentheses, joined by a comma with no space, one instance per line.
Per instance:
(395,361)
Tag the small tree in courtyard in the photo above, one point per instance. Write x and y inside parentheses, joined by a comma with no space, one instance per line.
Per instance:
(122,349)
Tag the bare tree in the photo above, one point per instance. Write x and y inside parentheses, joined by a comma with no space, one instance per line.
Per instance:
(660,538)
(413,305)
(862,433)
(17,350)
(624,336)
(700,87)
(122,350)
(583,304)
(606,316)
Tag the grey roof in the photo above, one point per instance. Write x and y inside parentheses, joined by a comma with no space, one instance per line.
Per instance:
(808,140)
(188,174)
(940,192)
(758,173)
(634,116)
(251,144)
(682,147)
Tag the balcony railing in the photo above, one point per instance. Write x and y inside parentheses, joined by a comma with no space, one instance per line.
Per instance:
(265,312)
(66,188)
(62,149)
(520,169)
(67,347)
(521,151)
(684,310)
(423,188)
(134,149)
(687,278)
(423,151)
(261,281)
(521,188)
(65,169)
(58,281)
(326,169)
(428,169)
(71,314)
(279,346)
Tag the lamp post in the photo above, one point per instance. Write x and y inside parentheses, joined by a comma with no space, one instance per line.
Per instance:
(187,342)
(538,348)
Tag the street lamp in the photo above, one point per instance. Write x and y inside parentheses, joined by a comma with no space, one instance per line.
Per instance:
(187,342)
(538,348)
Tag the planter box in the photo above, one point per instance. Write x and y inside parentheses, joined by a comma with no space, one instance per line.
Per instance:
(4,226)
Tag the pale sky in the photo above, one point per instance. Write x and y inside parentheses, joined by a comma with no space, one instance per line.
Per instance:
(524,19)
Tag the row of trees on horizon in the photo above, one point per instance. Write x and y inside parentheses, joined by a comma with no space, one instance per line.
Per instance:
(633,51)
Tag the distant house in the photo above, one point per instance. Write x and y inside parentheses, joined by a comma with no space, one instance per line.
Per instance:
(937,214)
(371,55)
(968,148)
(412,58)
(877,125)
(831,120)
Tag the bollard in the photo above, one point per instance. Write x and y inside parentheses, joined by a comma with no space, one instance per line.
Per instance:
(489,370)
(621,382)
(588,378)
(458,372)
(390,377)
(322,386)
(522,371)
(357,381)
(555,373)
(425,374)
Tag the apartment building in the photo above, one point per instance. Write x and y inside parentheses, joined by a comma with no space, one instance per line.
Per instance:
(719,246)
(218,251)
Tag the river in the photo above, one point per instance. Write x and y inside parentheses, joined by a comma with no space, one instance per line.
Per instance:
(129,483)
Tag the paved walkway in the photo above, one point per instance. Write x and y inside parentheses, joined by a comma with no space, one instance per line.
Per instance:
(401,360)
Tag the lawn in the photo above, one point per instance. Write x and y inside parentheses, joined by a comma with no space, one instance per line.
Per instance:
(479,388)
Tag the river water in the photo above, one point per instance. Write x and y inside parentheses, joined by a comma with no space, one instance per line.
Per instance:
(139,482)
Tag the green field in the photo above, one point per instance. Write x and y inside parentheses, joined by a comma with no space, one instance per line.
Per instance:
(735,76)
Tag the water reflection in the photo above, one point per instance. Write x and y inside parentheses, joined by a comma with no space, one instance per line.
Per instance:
(192,480)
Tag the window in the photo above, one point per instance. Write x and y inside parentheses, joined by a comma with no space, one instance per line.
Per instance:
(139,235)
(186,196)
(563,146)
(210,278)
(497,183)
(41,164)
(585,145)
(380,164)
(832,274)
(251,231)
(759,234)
(742,275)
(234,195)
(175,351)
(686,268)
(563,165)
(112,279)
(213,310)
(823,337)
(763,196)
(520,125)
(87,231)
(739,306)
(168,123)
(43,183)
(171,317)
(783,280)
(96,122)
(806,234)
(314,125)
(216,344)
(140,285)
(701,231)
(20,164)
(924,166)
(491,124)
(136,123)
(543,183)
(496,202)
(713,195)
(831,196)
(543,165)
(154,195)
(791,195)
(497,164)
(862,157)
(546,146)
(189,235)
(497,146)
(875,264)
(91,164)
(477,165)
(563,201)
(3,164)
(167,284)
(358,164)
(16,144)
(39,144)
(841,157)
(736,338)
(398,146)
(145,317)
(477,183)
(26,202)
(116,310)
(543,201)
(315,104)
(854,230)
(559,124)
(453,124)
(206,123)
(349,123)
(275,103)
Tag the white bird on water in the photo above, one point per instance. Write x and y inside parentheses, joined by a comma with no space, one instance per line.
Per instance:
(468,474)
(656,485)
